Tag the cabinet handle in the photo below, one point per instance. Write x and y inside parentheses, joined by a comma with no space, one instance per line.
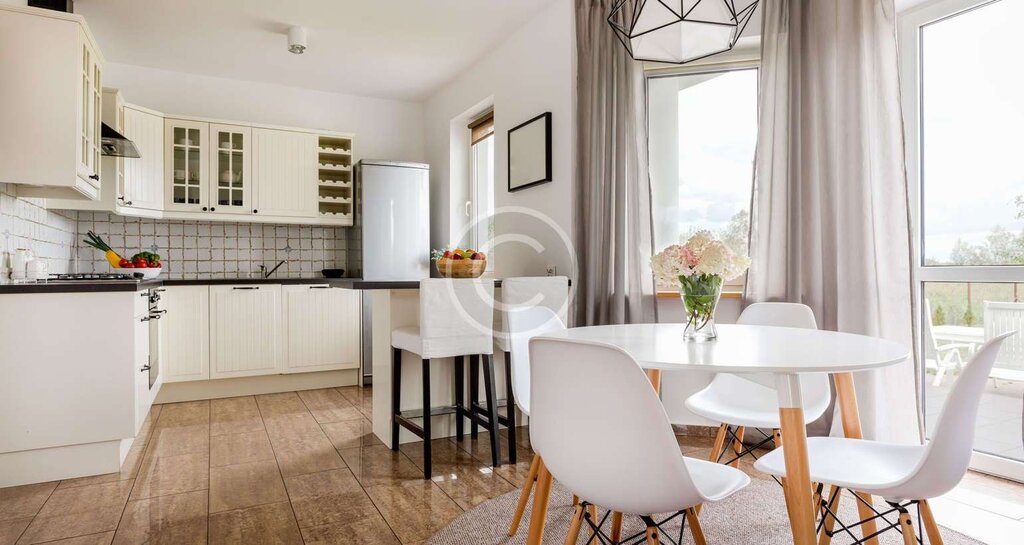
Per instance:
(254,211)
(212,209)
(126,203)
(246,288)
(204,209)
(319,287)
(95,177)
(145,368)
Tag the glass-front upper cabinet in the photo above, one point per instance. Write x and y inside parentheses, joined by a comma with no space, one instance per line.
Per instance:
(230,167)
(91,111)
(186,165)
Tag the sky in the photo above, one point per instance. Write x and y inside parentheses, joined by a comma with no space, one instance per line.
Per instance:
(972,125)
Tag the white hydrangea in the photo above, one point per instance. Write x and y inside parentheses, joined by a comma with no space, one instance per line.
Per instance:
(702,254)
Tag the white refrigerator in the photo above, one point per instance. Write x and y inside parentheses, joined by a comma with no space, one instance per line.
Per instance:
(395,214)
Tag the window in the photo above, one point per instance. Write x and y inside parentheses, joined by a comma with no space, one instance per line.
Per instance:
(703,130)
(964,101)
(481,184)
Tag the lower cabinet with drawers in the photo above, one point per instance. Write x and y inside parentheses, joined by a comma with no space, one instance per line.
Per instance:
(241,330)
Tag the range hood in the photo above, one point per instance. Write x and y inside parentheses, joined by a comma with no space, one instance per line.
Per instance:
(114,144)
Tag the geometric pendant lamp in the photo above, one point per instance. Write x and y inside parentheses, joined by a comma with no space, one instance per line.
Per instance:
(679,31)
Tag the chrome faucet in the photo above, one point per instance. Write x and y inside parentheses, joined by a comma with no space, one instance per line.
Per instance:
(271,271)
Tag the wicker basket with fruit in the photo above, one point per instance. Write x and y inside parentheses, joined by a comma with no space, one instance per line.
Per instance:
(459,263)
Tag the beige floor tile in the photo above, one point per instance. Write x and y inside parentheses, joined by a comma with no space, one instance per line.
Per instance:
(234,415)
(292,426)
(462,477)
(102,538)
(327,498)
(171,520)
(368,531)
(240,448)
(10,530)
(328,405)
(47,529)
(82,499)
(415,510)
(161,476)
(178,440)
(279,404)
(379,465)
(271,524)
(351,434)
(24,501)
(306,455)
(129,470)
(189,413)
(245,485)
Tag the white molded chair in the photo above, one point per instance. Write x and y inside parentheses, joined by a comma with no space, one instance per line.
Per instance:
(456,320)
(604,434)
(550,292)
(941,357)
(525,323)
(751,401)
(903,475)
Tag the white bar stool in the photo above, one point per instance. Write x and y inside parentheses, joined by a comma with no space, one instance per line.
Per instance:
(551,292)
(456,320)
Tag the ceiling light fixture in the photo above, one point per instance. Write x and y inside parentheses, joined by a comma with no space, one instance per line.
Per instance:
(297,40)
(679,31)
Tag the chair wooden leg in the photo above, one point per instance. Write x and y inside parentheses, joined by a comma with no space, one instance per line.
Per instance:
(737,446)
(574,526)
(575,500)
(909,538)
(541,497)
(510,409)
(834,495)
(716,449)
(396,394)
(695,528)
(846,398)
(426,420)
(492,410)
(930,526)
(616,532)
(652,536)
(524,495)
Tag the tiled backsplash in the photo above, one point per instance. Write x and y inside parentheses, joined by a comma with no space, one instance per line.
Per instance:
(24,223)
(192,249)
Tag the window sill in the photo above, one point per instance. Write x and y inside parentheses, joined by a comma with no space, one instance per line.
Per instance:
(727,293)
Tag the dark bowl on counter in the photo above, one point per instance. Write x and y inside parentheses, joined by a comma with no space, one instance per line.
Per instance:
(333,273)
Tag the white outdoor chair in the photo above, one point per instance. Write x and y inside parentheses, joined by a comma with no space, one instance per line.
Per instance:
(940,357)
(903,475)
(604,434)
(546,291)
(524,324)
(1000,317)
(750,401)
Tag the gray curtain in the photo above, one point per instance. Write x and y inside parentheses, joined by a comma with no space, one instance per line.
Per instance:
(612,215)
(830,224)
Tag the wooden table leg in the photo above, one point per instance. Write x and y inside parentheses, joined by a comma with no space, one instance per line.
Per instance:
(655,377)
(541,496)
(846,396)
(798,478)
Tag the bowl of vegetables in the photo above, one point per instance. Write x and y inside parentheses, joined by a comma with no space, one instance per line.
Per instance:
(146,264)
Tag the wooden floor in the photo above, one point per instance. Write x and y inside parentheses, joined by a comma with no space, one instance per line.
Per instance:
(282,468)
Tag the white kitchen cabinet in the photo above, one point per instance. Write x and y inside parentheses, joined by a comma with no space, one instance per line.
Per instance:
(142,359)
(322,327)
(186,165)
(284,173)
(231,186)
(143,185)
(50,104)
(185,333)
(245,330)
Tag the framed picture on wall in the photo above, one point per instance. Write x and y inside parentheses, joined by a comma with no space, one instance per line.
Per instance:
(529,153)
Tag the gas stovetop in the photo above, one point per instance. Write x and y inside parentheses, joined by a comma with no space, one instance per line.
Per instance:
(93,277)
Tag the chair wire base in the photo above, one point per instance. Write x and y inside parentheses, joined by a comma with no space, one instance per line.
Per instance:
(598,537)
(747,451)
(894,507)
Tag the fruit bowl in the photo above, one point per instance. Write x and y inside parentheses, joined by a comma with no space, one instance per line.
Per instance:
(148,273)
(461,268)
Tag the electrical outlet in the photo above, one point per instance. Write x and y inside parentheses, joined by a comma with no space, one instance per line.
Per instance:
(551,270)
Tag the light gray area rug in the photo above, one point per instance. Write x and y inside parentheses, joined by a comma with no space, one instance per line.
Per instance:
(756,514)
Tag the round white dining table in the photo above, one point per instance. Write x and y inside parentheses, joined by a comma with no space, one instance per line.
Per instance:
(782,351)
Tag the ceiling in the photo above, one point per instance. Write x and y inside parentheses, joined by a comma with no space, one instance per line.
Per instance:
(401,49)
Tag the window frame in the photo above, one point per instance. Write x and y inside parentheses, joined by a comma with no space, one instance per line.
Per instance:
(909,38)
(486,122)
(732,289)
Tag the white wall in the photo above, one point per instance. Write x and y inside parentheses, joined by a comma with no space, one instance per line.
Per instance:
(532,72)
(385,129)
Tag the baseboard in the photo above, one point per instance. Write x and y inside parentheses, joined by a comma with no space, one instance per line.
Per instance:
(56,463)
(175,392)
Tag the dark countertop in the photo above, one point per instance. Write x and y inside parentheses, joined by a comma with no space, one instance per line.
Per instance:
(129,285)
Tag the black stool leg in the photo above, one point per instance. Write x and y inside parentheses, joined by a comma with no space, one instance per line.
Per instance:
(396,394)
(459,397)
(474,393)
(510,407)
(492,410)
(426,419)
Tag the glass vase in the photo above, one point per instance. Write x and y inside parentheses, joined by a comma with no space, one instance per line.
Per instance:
(700,294)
